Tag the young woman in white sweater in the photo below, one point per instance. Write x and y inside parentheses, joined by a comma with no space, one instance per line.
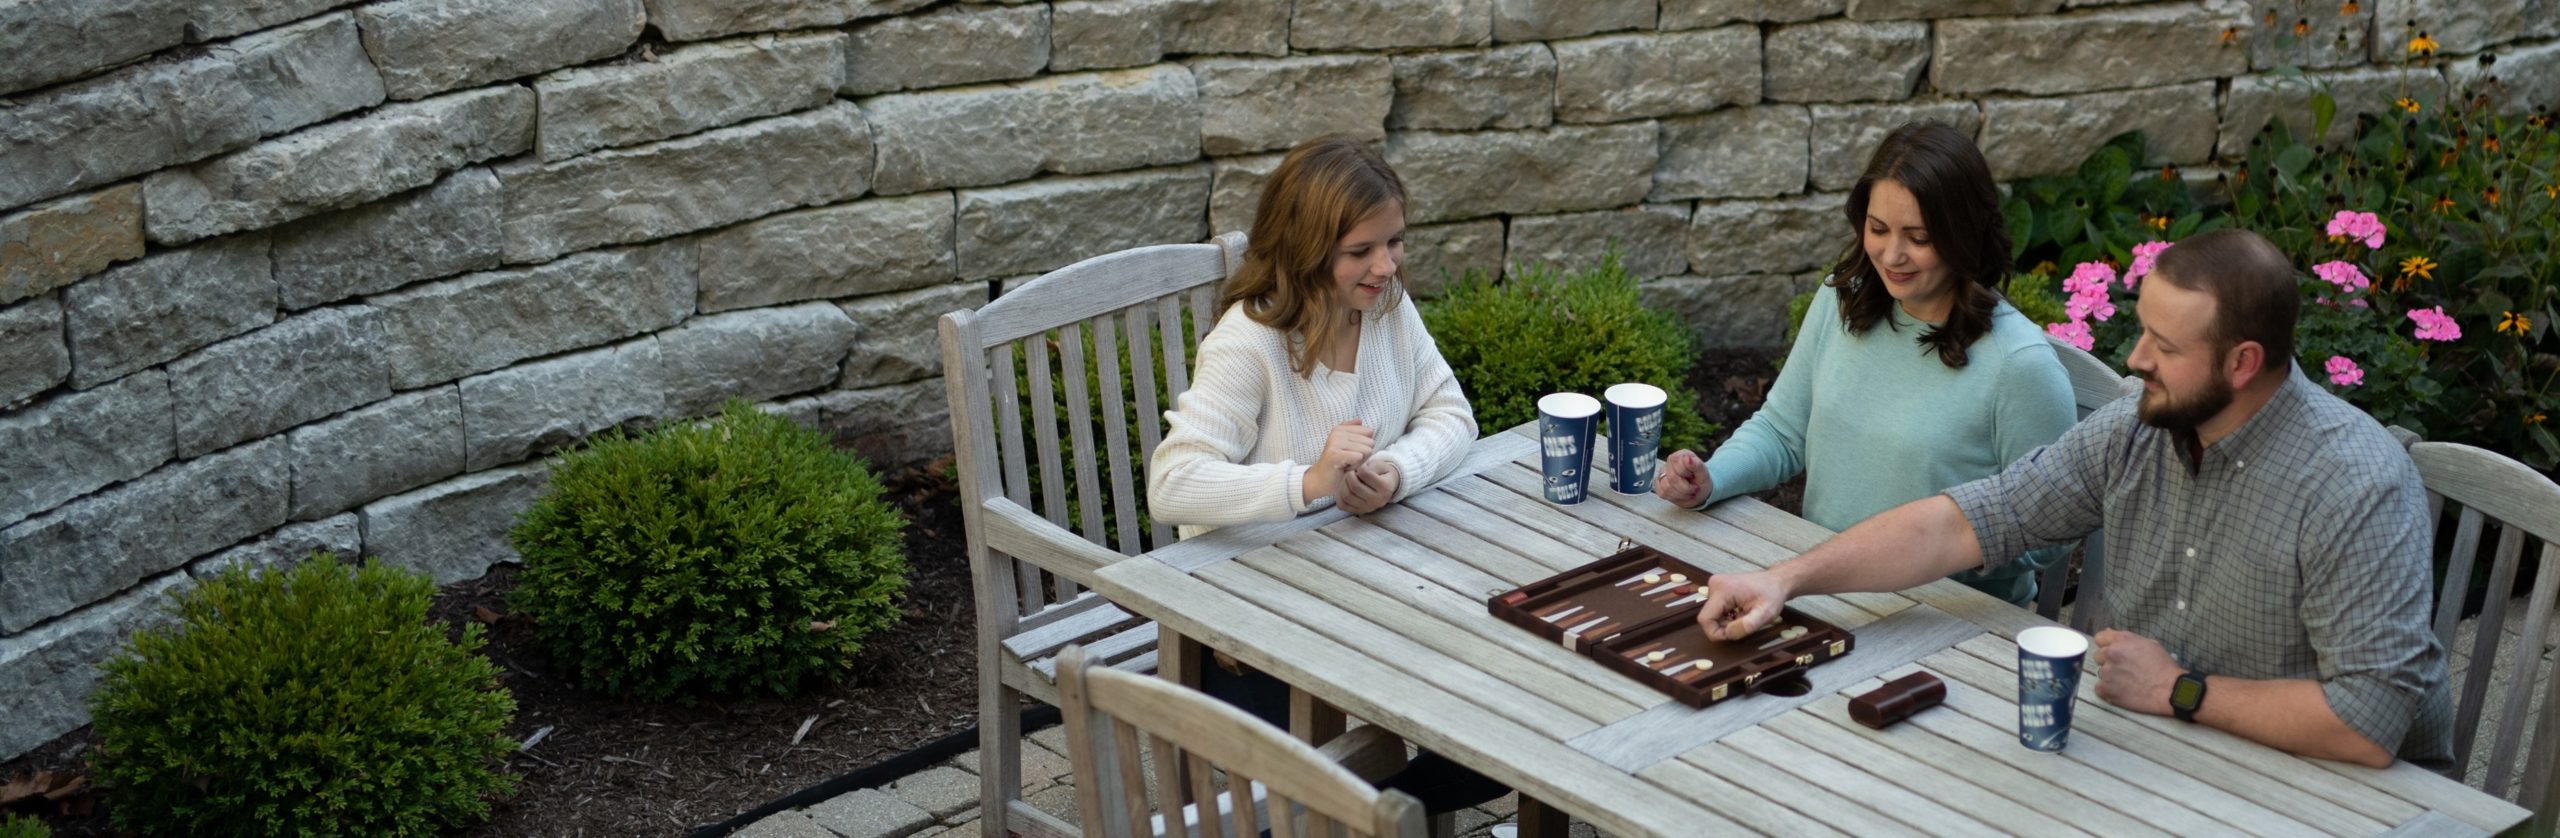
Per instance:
(1319,383)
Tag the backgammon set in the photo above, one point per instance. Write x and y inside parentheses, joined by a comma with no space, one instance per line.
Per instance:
(1637,612)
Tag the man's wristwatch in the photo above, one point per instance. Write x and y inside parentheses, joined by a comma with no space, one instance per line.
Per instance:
(2187,694)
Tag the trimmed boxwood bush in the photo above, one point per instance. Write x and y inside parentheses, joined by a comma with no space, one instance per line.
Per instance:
(1547,330)
(313,701)
(742,553)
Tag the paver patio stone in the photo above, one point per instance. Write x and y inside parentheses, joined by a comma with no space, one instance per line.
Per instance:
(870,813)
(940,791)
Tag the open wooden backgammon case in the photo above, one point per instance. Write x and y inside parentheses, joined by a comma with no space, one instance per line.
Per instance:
(1637,612)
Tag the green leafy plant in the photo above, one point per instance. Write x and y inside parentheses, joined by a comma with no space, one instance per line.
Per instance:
(2429,241)
(316,701)
(1548,330)
(737,554)
(13,825)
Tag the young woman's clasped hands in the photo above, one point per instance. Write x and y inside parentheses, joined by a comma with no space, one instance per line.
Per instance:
(1357,482)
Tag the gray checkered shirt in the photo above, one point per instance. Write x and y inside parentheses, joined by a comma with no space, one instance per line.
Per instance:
(2296,548)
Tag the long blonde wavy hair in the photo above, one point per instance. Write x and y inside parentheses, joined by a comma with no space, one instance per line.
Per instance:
(1325,186)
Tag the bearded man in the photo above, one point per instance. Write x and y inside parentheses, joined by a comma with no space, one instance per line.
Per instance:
(2267,543)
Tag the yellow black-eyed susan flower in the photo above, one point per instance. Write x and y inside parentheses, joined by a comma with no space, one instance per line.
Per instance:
(2514,324)
(2406,104)
(2444,205)
(2423,44)
(2418,266)
(2350,8)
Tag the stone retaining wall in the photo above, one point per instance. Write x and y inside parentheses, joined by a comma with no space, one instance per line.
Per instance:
(278,275)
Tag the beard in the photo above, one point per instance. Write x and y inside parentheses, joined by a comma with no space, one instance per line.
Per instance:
(2167,411)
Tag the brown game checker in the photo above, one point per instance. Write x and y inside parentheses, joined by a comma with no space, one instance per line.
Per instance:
(1637,612)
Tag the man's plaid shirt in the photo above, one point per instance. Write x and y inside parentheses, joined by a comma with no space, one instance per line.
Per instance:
(2297,548)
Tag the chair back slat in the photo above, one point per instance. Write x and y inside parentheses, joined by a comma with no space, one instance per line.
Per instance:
(2093,385)
(1150,418)
(1080,419)
(1203,311)
(1240,804)
(1283,821)
(2484,642)
(2466,546)
(1177,349)
(1044,431)
(2515,710)
(1204,794)
(1114,401)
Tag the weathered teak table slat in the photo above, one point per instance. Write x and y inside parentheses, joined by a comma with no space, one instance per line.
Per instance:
(1383,616)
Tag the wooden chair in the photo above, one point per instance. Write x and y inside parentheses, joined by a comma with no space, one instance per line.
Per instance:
(2492,491)
(2093,385)
(1290,787)
(1051,497)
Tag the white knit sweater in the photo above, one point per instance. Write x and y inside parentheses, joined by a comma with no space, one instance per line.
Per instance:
(1239,442)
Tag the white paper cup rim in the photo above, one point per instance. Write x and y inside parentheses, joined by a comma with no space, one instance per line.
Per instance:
(1635,394)
(1568,405)
(2053,642)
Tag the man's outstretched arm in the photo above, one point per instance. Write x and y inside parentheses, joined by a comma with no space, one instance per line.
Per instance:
(1906,546)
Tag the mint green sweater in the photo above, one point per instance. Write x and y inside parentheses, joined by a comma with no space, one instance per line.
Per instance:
(1875,421)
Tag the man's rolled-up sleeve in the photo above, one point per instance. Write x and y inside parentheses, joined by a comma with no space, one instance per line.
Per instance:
(2053,495)
(2366,609)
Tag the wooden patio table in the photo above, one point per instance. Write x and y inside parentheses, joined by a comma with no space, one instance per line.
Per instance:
(1383,616)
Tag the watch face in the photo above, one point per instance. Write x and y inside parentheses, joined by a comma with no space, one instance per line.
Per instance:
(2186,693)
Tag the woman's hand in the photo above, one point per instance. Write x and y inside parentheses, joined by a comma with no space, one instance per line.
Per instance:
(1683,480)
(1371,486)
(1344,450)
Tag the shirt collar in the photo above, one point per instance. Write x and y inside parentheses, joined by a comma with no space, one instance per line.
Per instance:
(2254,436)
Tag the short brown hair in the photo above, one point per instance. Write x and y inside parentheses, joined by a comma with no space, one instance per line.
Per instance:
(2255,294)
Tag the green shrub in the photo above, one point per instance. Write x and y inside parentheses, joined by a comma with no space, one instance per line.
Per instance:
(315,701)
(740,553)
(1548,331)
(14,826)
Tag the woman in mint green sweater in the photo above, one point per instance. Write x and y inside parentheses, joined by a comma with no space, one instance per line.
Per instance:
(1911,373)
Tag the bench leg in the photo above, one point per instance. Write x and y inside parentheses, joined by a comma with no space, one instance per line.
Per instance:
(1539,820)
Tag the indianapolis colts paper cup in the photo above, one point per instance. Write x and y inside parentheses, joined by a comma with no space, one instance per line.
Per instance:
(1565,425)
(1635,436)
(2048,679)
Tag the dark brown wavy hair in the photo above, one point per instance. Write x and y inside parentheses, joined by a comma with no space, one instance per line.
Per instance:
(1961,207)
(1320,191)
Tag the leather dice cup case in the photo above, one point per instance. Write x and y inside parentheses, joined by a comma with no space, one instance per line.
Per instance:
(1636,612)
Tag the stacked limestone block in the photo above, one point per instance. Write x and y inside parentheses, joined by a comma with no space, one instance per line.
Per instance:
(284,275)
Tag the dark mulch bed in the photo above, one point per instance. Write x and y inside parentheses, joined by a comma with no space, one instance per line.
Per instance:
(1731,384)
(614,767)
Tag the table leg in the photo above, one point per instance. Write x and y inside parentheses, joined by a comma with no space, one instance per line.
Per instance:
(1539,820)
(1314,721)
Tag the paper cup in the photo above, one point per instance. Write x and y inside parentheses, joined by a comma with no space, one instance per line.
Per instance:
(2048,680)
(1635,436)
(1565,425)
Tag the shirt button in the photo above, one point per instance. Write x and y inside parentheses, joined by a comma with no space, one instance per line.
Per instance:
(2182,605)
(2240,464)
(2191,552)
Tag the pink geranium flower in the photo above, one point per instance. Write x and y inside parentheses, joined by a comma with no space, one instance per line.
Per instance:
(2075,333)
(2434,324)
(2089,276)
(2358,226)
(2145,255)
(2090,304)
(2344,372)
(2345,275)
